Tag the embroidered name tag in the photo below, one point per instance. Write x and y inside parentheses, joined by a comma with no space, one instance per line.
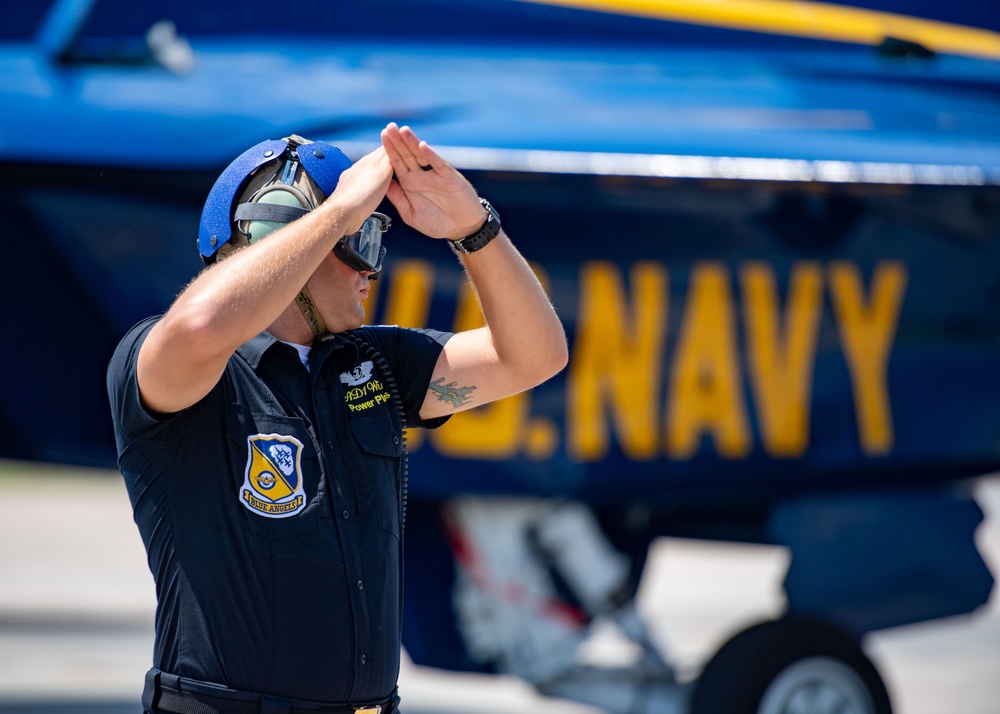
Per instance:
(272,486)
(361,391)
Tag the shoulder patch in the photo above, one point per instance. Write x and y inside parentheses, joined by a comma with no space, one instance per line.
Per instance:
(272,486)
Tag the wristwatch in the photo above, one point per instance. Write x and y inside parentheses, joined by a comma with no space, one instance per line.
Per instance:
(479,239)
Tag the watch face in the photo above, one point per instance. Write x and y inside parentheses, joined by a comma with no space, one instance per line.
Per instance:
(492,211)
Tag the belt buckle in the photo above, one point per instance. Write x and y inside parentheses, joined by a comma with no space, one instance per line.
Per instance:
(377,709)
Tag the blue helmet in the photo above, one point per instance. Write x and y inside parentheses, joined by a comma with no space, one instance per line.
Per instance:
(266,186)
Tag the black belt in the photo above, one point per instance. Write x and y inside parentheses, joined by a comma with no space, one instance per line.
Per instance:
(169,694)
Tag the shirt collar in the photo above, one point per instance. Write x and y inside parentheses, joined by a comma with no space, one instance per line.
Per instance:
(253,350)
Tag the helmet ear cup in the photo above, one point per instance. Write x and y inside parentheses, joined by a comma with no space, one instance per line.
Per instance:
(279,194)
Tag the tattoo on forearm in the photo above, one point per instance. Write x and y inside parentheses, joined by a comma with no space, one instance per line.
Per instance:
(451,392)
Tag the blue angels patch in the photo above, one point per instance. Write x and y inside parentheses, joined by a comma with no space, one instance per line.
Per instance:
(272,486)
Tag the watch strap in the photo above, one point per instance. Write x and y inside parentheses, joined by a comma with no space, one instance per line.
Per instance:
(478,240)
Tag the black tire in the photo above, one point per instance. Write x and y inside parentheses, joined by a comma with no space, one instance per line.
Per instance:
(790,666)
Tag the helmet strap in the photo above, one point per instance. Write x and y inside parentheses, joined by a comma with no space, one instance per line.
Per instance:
(309,311)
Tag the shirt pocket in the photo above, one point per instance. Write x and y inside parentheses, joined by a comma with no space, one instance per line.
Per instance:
(381,448)
(277,474)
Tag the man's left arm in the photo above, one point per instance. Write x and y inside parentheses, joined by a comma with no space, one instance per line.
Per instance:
(522,345)
(523,342)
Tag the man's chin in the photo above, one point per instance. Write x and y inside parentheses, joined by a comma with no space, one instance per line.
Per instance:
(348,323)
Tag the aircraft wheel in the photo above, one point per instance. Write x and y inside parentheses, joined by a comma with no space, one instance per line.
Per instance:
(790,666)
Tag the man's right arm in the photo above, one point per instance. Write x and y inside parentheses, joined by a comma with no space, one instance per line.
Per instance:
(185,354)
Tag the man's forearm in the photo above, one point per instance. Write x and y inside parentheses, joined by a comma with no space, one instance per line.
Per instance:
(527,336)
(243,294)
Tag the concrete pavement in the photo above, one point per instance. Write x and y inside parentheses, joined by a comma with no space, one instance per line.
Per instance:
(76,610)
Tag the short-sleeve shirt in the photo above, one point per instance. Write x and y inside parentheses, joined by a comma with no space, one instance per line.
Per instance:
(271,511)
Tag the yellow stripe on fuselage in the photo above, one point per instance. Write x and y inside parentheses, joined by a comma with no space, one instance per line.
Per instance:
(805,19)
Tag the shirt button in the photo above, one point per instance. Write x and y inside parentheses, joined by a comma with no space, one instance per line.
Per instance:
(345,513)
(395,440)
(363,659)
(361,585)
(329,445)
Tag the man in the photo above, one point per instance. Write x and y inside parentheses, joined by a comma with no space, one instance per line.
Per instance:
(260,426)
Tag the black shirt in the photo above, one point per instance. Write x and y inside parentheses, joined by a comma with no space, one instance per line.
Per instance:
(271,512)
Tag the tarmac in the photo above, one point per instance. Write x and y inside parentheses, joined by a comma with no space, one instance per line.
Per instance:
(76,613)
